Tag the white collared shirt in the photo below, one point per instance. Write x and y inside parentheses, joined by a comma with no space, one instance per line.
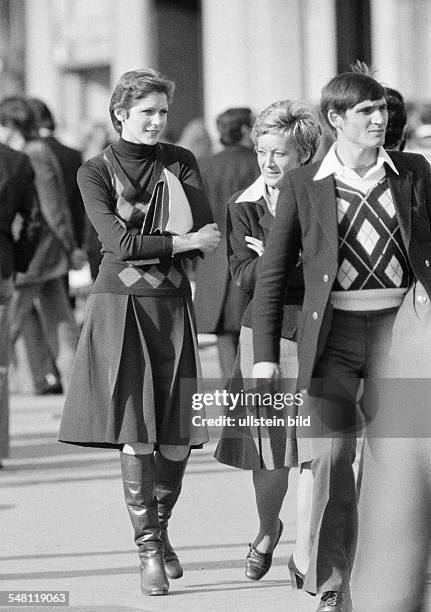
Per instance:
(255,192)
(331,164)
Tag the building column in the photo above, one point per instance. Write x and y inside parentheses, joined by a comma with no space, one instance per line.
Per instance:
(400,35)
(320,46)
(41,72)
(135,43)
(270,50)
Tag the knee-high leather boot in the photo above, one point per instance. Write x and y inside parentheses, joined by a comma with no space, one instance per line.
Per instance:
(169,479)
(139,491)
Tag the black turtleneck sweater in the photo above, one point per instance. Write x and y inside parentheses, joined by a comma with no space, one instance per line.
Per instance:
(121,242)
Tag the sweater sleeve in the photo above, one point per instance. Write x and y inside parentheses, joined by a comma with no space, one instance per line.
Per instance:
(191,181)
(244,262)
(99,204)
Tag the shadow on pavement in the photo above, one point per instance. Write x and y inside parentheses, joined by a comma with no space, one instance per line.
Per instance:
(113,571)
(104,553)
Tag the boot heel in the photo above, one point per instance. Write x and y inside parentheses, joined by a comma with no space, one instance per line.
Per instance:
(296,577)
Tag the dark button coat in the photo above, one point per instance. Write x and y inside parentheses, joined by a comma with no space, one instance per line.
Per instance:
(51,259)
(70,160)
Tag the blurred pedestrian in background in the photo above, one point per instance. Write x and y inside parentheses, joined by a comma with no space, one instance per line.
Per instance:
(42,285)
(18,201)
(196,138)
(286,135)
(219,303)
(69,160)
(146,201)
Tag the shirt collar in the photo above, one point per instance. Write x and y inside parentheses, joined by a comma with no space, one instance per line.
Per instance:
(331,164)
(255,192)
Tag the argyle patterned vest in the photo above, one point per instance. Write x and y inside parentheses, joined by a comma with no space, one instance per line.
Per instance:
(371,252)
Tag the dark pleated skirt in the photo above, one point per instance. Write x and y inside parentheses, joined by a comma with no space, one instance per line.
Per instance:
(136,368)
(251,447)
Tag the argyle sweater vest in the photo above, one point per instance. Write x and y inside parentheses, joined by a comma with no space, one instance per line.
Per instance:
(371,252)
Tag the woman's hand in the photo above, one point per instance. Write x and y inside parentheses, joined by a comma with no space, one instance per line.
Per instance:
(206,240)
(255,245)
(209,237)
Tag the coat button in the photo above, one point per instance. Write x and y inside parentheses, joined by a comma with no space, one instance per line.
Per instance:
(422,299)
(315,316)
(427,263)
(325,278)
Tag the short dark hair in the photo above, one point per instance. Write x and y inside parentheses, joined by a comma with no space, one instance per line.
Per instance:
(230,122)
(44,117)
(397,119)
(135,85)
(346,90)
(16,112)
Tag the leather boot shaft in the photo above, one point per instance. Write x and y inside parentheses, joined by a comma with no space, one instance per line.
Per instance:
(169,479)
(138,473)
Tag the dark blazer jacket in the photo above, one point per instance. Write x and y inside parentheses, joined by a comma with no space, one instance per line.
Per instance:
(17,195)
(254,219)
(217,297)
(52,257)
(70,160)
(307,218)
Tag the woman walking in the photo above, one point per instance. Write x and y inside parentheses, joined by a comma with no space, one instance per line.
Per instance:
(286,135)
(146,202)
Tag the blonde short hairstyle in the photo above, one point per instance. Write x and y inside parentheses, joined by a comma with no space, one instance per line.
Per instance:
(294,120)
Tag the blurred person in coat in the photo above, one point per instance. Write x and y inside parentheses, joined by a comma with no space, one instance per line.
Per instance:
(18,199)
(196,138)
(42,285)
(219,303)
(69,160)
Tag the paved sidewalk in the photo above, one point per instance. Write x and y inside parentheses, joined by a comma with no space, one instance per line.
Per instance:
(64,526)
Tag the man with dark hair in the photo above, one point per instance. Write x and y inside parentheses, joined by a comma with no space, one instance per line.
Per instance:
(361,219)
(219,303)
(18,199)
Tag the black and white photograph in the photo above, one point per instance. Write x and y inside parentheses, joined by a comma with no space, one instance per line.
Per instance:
(215,315)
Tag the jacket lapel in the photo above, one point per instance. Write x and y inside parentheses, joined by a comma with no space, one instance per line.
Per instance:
(400,186)
(323,201)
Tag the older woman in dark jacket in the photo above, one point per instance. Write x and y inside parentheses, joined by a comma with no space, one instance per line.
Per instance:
(286,135)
